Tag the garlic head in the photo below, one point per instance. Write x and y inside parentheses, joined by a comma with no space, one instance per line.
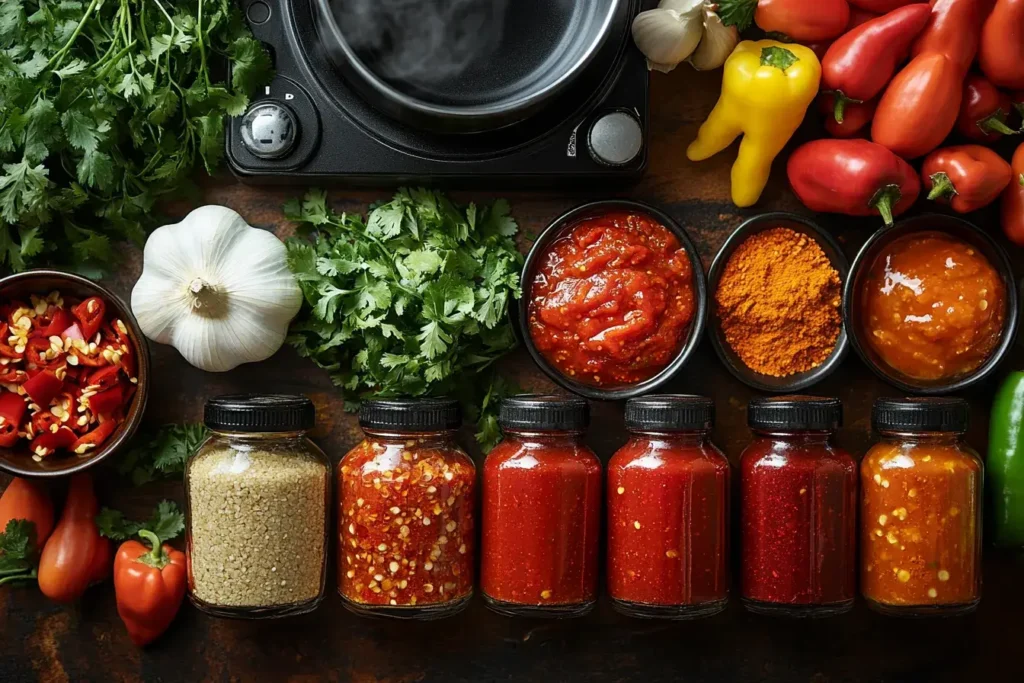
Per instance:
(216,289)
(669,34)
(717,44)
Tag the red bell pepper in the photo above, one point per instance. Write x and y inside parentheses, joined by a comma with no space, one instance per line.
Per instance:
(90,314)
(856,115)
(920,106)
(149,584)
(1013,200)
(954,30)
(878,6)
(852,177)
(75,555)
(801,20)
(969,177)
(93,439)
(43,387)
(860,64)
(12,410)
(984,111)
(1001,53)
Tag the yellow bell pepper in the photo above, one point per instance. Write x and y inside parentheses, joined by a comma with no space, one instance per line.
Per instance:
(766,89)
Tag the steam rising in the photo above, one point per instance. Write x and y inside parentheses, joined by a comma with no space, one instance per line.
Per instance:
(422,41)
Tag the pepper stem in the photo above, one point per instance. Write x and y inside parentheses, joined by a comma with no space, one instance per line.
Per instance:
(156,557)
(841,100)
(1020,181)
(995,124)
(779,57)
(885,200)
(942,187)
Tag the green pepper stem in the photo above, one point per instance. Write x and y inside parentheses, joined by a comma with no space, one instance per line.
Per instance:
(1020,181)
(942,187)
(841,100)
(779,57)
(887,197)
(156,557)
(995,124)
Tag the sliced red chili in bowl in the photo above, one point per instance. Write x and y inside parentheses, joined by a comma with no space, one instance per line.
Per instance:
(12,409)
(90,314)
(43,387)
(93,439)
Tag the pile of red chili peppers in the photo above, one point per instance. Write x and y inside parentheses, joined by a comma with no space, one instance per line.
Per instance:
(67,371)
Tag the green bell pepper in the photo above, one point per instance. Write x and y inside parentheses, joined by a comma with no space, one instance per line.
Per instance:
(1004,469)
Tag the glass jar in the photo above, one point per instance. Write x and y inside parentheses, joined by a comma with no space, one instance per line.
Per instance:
(921,510)
(541,511)
(256,495)
(798,509)
(668,519)
(405,513)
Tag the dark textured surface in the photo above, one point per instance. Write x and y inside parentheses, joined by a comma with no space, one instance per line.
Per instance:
(86,642)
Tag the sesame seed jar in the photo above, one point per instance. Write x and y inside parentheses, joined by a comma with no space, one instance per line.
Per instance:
(798,510)
(257,493)
(541,511)
(405,513)
(921,510)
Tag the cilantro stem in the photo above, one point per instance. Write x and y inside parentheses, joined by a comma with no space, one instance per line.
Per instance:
(202,45)
(61,53)
(19,577)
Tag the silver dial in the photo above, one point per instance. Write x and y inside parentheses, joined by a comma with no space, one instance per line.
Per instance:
(615,139)
(269,130)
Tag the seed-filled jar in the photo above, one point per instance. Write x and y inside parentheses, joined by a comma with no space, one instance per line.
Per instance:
(257,493)
(405,513)
(798,509)
(921,510)
(541,510)
(668,520)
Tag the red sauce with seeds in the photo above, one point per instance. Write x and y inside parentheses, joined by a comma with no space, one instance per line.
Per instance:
(611,300)
(405,522)
(541,520)
(668,521)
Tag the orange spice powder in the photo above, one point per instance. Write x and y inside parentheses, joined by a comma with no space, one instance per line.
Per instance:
(778,300)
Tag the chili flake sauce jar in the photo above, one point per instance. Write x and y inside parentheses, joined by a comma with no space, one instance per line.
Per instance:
(921,510)
(541,510)
(405,512)
(668,521)
(256,495)
(798,509)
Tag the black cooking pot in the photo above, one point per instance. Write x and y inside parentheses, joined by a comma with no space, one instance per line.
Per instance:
(466,65)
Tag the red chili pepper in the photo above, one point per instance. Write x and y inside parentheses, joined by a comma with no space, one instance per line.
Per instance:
(90,314)
(75,555)
(857,17)
(860,64)
(43,387)
(1001,53)
(8,351)
(1013,200)
(800,20)
(35,350)
(954,30)
(852,177)
(105,378)
(856,115)
(106,402)
(878,6)
(984,111)
(95,438)
(13,376)
(969,177)
(61,321)
(50,442)
(150,585)
(920,106)
(43,421)
(12,410)
(87,360)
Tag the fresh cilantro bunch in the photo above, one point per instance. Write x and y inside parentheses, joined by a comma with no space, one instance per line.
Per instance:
(163,453)
(413,301)
(105,106)
(167,522)
(18,551)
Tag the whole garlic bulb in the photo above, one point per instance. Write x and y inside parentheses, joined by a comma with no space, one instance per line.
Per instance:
(216,289)
(669,34)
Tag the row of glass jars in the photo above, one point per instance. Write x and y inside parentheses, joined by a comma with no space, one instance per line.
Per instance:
(406,512)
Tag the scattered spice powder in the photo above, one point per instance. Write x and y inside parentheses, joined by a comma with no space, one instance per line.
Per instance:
(778,300)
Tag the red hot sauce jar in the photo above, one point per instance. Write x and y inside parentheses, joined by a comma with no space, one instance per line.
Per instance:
(541,512)
(798,510)
(668,521)
(405,513)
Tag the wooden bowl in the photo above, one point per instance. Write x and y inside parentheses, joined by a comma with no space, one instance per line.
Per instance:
(18,460)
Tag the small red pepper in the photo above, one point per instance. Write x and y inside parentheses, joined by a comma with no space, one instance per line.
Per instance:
(954,30)
(856,116)
(107,401)
(149,584)
(852,177)
(75,555)
(805,21)
(90,314)
(857,17)
(1013,200)
(93,439)
(878,6)
(12,410)
(969,177)
(984,111)
(1001,54)
(920,106)
(43,387)
(860,64)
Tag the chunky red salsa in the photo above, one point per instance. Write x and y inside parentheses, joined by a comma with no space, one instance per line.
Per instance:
(67,374)
(612,299)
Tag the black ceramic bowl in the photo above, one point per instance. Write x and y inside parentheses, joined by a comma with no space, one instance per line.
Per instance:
(555,230)
(969,233)
(18,460)
(732,362)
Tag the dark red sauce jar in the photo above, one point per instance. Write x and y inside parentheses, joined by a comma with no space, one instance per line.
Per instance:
(668,520)
(798,509)
(541,511)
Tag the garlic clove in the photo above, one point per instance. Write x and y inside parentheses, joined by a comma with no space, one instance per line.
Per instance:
(668,36)
(717,44)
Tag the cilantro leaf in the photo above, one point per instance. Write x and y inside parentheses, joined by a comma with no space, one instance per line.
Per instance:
(18,551)
(167,522)
(162,454)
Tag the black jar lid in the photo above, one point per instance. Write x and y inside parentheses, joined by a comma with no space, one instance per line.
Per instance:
(795,413)
(411,414)
(923,414)
(259,413)
(535,412)
(669,412)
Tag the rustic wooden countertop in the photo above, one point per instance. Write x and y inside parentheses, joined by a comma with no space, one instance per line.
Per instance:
(43,641)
